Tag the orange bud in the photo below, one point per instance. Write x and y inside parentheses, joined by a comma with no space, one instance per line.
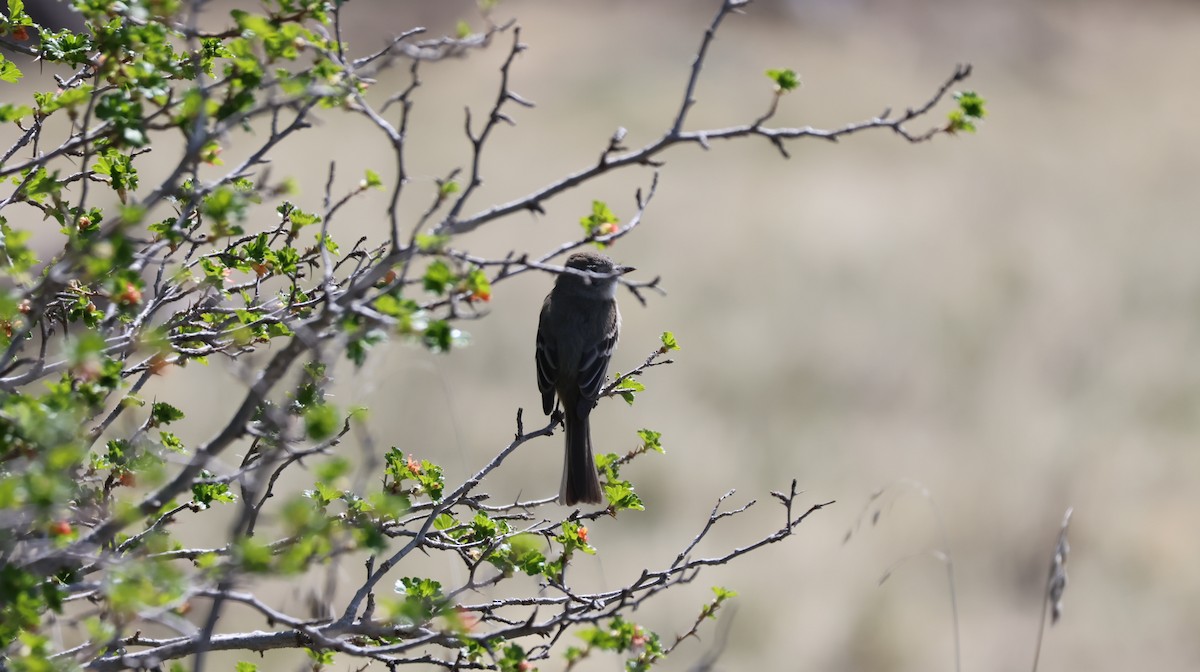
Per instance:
(130,296)
(388,278)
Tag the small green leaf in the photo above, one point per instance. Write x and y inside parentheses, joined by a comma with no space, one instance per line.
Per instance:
(651,440)
(333,469)
(970,111)
(162,413)
(208,492)
(723,593)
(437,277)
(601,222)
(9,72)
(621,496)
(320,658)
(959,122)
(971,104)
(10,112)
(432,481)
(439,336)
(371,180)
(320,421)
(629,389)
(255,555)
(431,242)
(668,342)
(785,79)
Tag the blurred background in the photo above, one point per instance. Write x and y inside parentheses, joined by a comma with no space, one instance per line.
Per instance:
(1010,319)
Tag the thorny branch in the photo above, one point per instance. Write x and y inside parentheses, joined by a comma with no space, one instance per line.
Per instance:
(492,619)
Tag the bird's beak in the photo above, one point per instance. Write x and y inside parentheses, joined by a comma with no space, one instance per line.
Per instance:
(625,269)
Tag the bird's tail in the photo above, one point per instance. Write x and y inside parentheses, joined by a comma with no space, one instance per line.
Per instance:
(580,483)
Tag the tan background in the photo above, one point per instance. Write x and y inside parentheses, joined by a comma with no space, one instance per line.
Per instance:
(1010,319)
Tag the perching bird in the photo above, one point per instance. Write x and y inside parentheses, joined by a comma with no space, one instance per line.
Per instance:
(577,334)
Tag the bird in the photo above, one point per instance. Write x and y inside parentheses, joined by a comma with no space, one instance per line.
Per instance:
(577,333)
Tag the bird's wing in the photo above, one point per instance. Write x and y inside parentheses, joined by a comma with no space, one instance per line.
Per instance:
(547,362)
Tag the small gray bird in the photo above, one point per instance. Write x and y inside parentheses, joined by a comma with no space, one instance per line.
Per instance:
(577,334)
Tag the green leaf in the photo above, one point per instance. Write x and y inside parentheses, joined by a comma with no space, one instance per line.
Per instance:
(333,469)
(119,169)
(300,218)
(207,492)
(372,180)
(423,599)
(42,184)
(971,104)
(621,496)
(16,257)
(9,72)
(431,479)
(959,122)
(629,389)
(574,536)
(162,413)
(601,221)
(254,555)
(668,342)
(360,344)
(431,243)
(71,99)
(320,658)
(785,79)
(171,442)
(321,421)
(526,553)
(328,242)
(323,493)
(67,47)
(477,286)
(970,111)
(439,336)
(651,440)
(513,660)
(125,115)
(723,593)
(10,112)
(438,276)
